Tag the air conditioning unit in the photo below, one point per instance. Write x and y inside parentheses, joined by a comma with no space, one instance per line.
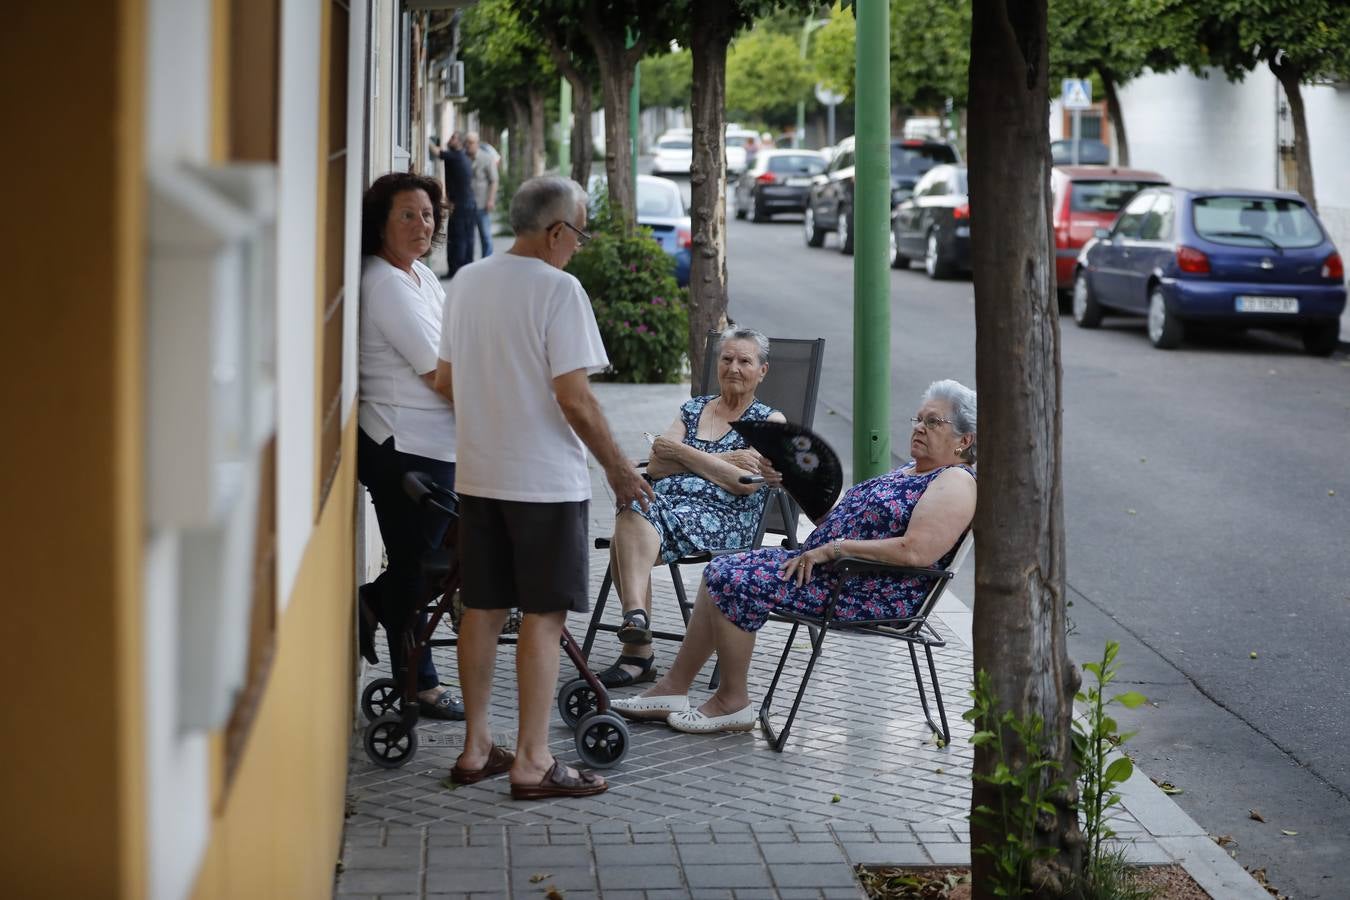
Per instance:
(454,81)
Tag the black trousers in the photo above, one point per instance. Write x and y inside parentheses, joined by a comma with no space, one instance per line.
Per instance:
(400,587)
(460,233)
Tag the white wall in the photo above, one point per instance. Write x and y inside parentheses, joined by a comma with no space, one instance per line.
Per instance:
(1203,132)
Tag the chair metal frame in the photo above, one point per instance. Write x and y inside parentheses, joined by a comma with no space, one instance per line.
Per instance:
(777,502)
(915,630)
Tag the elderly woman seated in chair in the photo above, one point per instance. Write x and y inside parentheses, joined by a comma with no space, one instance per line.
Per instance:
(915,515)
(700,504)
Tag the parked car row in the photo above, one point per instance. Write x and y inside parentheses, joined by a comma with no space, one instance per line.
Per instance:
(1125,242)
(829,203)
(673,153)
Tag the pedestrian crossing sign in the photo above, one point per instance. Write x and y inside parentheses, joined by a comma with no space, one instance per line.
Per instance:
(1077,93)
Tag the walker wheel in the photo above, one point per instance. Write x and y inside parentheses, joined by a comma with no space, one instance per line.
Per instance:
(381,696)
(385,746)
(602,740)
(575,700)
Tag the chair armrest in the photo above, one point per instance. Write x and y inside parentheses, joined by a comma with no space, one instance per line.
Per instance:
(852,565)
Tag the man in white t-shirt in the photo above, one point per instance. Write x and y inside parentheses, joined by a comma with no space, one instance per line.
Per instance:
(517,343)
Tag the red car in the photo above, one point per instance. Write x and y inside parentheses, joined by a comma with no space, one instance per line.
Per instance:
(1087,198)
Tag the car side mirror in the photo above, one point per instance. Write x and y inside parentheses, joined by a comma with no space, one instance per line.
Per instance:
(1101,234)
(900,195)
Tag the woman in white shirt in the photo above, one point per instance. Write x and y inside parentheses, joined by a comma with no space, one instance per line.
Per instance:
(404,424)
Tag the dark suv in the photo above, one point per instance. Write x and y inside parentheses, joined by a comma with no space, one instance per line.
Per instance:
(829,206)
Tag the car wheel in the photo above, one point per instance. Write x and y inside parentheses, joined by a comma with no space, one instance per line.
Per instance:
(845,232)
(935,263)
(1086,311)
(1164,328)
(757,213)
(897,261)
(814,236)
(1321,339)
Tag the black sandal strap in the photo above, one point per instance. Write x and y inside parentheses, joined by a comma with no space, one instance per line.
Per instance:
(642,662)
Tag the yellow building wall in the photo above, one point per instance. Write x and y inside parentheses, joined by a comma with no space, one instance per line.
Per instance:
(70,463)
(279,829)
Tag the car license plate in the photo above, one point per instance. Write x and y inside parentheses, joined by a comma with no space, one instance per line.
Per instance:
(798,182)
(1249,304)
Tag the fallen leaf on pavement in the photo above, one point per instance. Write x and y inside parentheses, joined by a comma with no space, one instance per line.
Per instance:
(1252,654)
(1166,787)
(553,893)
(1131,512)
(538,877)
(1288,832)
(1256,814)
(836,798)
(1223,840)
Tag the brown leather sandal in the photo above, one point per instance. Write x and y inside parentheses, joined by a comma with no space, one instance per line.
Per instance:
(499,760)
(557,783)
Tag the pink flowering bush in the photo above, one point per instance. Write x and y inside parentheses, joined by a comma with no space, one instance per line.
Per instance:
(642,313)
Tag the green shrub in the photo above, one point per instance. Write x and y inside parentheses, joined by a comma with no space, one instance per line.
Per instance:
(642,313)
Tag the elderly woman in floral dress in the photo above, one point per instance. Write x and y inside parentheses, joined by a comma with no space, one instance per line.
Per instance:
(915,515)
(700,503)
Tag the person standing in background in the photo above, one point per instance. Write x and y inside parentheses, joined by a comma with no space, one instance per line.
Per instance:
(484,168)
(463,212)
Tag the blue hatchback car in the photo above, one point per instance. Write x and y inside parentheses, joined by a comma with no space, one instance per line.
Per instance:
(1243,259)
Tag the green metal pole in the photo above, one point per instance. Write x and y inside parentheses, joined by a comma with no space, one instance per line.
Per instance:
(565,127)
(633,118)
(871,243)
(800,133)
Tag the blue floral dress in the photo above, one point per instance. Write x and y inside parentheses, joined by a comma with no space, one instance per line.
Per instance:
(690,513)
(747,587)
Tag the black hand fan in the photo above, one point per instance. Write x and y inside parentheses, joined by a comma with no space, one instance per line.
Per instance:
(810,467)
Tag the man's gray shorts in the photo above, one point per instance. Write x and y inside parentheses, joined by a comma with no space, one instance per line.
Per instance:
(530,556)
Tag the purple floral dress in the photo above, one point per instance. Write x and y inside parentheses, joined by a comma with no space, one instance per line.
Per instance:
(746,586)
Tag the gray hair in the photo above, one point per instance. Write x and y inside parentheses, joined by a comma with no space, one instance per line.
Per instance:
(962,401)
(745,334)
(543,201)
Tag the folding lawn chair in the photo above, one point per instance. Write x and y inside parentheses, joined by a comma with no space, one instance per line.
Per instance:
(914,630)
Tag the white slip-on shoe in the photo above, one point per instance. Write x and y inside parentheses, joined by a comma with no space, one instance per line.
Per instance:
(650,709)
(694,722)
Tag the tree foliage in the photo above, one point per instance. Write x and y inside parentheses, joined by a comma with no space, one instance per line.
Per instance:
(767,77)
(1113,42)
(930,53)
(1301,41)
(666,78)
(501,57)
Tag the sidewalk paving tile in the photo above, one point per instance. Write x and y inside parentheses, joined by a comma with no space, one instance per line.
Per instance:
(738,875)
(719,815)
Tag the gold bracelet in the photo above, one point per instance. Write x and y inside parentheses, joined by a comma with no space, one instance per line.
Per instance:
(838,547)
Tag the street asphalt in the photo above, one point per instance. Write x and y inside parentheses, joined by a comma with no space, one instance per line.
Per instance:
(1207,503)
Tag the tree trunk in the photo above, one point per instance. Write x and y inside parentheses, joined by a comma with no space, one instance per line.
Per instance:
(1289,77)
(520,130)
(708,174)
(583,148)
(582,103)
(616,85)
(538,145)
(1019,629)
(1117,117)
